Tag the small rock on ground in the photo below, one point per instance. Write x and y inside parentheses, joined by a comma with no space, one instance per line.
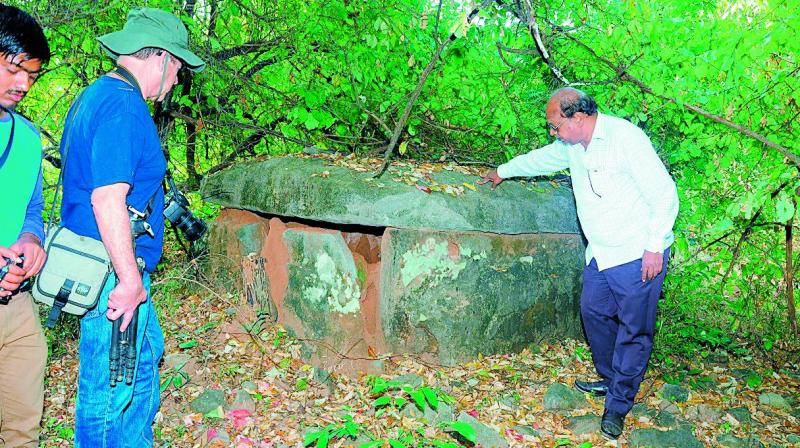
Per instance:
(207,401)
(653,438)
(485,436)
(703,413)
(730,441)
(584,424)
(774,400)
(560,397)
(742,415)
(674,393)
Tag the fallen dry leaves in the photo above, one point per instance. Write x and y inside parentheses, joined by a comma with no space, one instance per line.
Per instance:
(225,351)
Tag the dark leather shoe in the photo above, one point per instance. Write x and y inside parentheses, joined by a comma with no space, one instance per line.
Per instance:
(612,424)
(596,388)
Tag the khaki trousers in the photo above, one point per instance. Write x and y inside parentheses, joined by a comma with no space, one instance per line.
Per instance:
(23,353)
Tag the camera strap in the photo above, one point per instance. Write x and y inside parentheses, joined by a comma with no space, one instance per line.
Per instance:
(10,143)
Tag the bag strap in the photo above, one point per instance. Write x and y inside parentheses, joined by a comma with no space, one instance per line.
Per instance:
(10,143)
(59,302)
(70,119)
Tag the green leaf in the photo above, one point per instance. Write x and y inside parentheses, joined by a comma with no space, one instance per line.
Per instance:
(463,429)
(373,444)
(216,413)
(322,442)
(188,344)
(311,122)
(784,208)
(378,386)
(419,399)
(403,147)
(382,401)
(754,380)
(312,437)
(394,443)
(431,396)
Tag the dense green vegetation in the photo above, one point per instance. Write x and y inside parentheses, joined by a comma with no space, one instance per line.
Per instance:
(716,84)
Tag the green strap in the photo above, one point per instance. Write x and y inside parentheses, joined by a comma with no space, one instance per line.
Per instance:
(163,76)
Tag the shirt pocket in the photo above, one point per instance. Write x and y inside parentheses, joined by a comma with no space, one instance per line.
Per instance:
(603,172)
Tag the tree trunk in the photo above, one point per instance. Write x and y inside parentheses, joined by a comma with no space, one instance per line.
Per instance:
(789,278)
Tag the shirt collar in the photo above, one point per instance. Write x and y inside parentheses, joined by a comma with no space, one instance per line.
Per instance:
(600,131)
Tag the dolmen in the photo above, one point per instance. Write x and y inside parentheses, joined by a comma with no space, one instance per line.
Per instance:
(420,262)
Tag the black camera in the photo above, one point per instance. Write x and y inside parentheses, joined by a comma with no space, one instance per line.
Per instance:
(176,210)
(4,270)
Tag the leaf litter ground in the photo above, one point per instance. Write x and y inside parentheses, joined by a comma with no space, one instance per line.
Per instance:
(270,398)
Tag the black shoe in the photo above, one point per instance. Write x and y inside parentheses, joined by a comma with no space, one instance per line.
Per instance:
(612,424)
(596,388)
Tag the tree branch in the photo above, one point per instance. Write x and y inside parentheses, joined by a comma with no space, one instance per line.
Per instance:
(533,27)
(746,234)
(415,94)
(246,48)
(625,76)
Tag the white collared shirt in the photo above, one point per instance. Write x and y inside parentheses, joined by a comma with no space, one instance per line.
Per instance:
(627,202)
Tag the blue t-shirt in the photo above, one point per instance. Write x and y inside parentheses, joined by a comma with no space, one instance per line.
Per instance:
(113,139)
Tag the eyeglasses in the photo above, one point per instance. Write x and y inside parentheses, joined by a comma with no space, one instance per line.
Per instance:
(556,127)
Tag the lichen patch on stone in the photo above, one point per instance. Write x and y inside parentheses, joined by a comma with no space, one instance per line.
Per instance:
(430,261)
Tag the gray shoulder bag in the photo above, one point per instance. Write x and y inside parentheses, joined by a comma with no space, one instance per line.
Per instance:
(76,268)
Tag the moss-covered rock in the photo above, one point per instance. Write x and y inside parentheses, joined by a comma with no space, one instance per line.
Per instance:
(294,187)
(458,294)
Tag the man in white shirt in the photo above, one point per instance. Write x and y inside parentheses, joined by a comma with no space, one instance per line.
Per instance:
(627,204)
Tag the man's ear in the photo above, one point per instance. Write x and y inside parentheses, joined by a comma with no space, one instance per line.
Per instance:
(161,58)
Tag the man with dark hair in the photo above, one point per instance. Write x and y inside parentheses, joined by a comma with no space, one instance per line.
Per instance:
(114,165)
(627,204)
(23,348)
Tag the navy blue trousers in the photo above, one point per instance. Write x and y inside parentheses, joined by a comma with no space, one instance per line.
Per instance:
(619,318)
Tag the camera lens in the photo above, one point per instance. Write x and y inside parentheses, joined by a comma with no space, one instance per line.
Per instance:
(192,227)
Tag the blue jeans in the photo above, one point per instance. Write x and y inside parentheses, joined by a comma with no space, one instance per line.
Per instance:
(619,317)
(119,416)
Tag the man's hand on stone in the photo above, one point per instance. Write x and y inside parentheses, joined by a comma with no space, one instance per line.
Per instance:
(124,299)
(652,264)
(492,177)
(15,275)
(30,247)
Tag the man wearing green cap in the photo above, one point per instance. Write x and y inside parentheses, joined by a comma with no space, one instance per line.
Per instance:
(113,162)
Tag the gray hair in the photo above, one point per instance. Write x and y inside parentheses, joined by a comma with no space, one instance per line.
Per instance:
(146,52)
(573,100)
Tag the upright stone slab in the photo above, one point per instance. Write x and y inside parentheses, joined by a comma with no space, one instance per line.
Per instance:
(324,292)
(455,294)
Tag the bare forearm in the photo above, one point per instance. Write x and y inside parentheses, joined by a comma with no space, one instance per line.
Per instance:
(113,223)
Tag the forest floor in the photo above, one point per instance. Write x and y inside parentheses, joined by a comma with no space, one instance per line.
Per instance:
(230,380)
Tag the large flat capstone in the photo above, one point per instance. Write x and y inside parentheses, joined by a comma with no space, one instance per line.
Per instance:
(323,189)
(426,286)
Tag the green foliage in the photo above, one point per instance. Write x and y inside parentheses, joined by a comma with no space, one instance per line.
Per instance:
(393,397)
(397,395)
(347,429)
(464,430)
(175,377)
(337,74)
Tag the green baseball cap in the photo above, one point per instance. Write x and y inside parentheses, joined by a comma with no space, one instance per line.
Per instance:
(149,27)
